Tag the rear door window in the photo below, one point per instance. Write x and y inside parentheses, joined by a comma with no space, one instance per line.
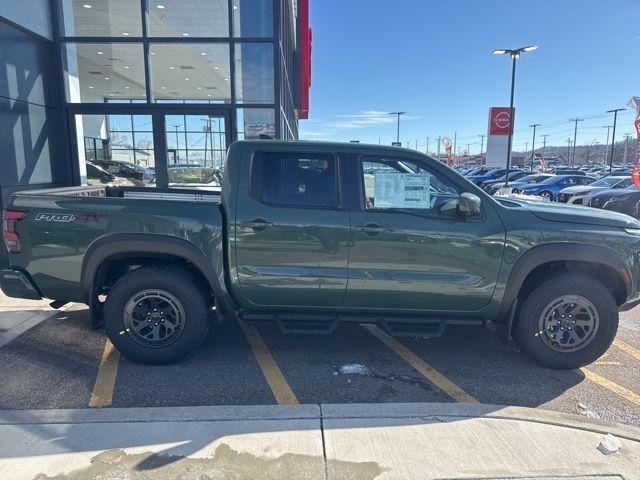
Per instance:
(294,179)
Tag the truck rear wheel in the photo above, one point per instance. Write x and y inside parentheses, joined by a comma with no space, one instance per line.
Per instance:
(156,315)
(567,322)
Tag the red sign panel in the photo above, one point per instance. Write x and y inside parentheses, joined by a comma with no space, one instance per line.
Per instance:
(500,120)
(305,40)
(636,174)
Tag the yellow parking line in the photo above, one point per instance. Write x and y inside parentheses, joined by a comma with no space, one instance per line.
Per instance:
(627,348)
(102,395)
(430,373)
(278,384)
(612,386)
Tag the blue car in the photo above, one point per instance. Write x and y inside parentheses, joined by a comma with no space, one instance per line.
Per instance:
(494,174)
(549,188)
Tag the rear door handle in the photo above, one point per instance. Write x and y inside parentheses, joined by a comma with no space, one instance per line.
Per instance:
(371,229)
(257,224)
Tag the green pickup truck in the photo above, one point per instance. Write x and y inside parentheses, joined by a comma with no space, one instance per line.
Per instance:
(309,235)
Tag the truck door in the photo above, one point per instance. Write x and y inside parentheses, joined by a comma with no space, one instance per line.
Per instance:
(291,234)
(410,248)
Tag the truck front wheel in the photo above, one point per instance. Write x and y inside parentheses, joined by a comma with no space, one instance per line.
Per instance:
(567,322)
(156,315)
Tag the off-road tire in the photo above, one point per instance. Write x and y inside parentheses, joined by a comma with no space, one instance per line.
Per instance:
(182,287)
(527,332)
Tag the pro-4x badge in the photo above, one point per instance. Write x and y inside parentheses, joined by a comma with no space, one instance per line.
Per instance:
(55,217)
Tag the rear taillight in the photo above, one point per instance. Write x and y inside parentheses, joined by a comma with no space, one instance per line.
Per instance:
(11,237)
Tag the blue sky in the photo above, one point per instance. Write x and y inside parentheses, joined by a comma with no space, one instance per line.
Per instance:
(433,59)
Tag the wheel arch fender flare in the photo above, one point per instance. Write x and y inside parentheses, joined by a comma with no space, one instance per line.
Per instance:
(555,252)
(123,245)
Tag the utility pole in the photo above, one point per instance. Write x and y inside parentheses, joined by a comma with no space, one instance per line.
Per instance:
(575,135)
(568,149)
(439,140)
(544,143)
(606,145)
(626,149)
(427,149)
(481,145)
(416,144)
(533,143)
(613,134)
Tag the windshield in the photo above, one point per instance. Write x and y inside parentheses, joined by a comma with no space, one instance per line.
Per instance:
(606,182)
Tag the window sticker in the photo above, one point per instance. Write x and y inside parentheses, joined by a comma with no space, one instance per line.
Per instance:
(402,190)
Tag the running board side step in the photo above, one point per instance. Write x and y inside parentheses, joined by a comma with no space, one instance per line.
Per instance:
(324,324)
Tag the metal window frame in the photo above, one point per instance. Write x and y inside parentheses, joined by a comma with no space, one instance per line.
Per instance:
(228,111)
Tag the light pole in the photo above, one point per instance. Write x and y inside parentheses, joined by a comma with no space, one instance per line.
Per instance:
(568,150)
(514,54)
(397,114)
(613,134)
(533,143)
(481,145)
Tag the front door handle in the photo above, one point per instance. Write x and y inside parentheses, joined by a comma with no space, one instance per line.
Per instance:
(257,224)
(371,229)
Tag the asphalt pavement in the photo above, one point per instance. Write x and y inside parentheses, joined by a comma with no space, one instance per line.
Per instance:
(62,363)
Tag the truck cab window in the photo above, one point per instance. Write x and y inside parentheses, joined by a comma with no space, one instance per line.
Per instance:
(293,179)
(397,184)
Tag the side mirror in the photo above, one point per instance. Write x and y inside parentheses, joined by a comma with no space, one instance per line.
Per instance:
(469,205)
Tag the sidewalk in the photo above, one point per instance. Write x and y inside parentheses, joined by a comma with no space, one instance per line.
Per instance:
(355,441)
(18,315)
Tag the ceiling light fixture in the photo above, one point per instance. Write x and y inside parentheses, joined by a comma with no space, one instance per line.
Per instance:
(100,53)
(235,7)
(127,88)
(86,5)
(127,67)
(172,68)
(160,7)
(184,34)
(216,67)
(90,87)
(186,79)
(126,34)
(203,53)
(163,88)
(107,78)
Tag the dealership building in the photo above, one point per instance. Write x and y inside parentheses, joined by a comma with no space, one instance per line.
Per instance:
(160,84)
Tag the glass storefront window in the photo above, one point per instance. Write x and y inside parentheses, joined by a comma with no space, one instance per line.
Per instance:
(254,73)
(253,18)
(253,122)
(100,18)
(99,72)
(188,18)
(117,149)
(191,71)
(196,150)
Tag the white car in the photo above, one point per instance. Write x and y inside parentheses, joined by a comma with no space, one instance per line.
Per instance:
(578,193)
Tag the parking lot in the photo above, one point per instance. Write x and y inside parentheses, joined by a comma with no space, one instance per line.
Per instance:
(61,363)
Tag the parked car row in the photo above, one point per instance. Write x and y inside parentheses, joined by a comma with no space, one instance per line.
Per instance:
(595,186)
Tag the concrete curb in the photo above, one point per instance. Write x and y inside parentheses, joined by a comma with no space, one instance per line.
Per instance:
(476,410)
(421,411)
(35,319)
(160,414)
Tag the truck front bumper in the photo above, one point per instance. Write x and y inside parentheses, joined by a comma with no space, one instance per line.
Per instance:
(15,283)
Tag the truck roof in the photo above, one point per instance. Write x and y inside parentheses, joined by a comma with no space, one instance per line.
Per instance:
(340,145)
